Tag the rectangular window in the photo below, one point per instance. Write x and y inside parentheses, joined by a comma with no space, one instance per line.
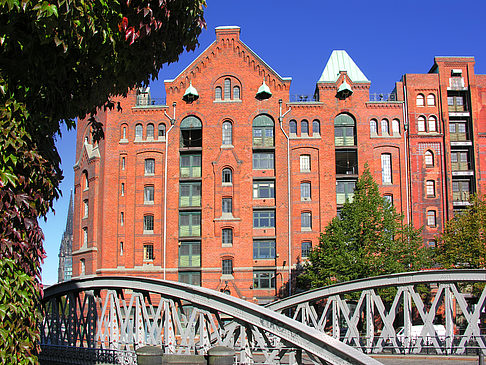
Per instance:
(305,164)
(85,236)
(190,224)
(386,168)
(121,248)
(430,188)
(346,162)
(190,277)
(227,205)
(263,189)
(344,191)
(227,267)
(148,194)
(122,219)
(148,224)
(85,203)
(189,254)
(190,165)
(122,192)
(306,249)
(227,236)
(149,166)
(148,252)
(458,131)
(431,218)
(263,249)
(263,136)
(264,219)
(190,194)
(344,136)
(388,198)
(305,191)
(306,221)
(459,161)
(123,163)
(263,161)
(263,279)
(460,191)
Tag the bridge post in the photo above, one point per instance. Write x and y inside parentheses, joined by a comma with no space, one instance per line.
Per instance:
(221,355)
(149,355)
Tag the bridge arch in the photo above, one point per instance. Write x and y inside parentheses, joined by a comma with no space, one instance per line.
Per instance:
(326,309)
(122,313)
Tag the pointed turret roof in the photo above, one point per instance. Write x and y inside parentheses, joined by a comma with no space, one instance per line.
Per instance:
(341,61)
(69,220)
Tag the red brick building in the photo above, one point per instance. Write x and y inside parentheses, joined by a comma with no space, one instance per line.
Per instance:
(230,188)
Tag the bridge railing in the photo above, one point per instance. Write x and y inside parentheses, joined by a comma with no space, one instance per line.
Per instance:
(413,311)
(124,313)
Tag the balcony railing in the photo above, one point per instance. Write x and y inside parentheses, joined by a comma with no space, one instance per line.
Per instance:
(298,98)
(383,97)
(146,100)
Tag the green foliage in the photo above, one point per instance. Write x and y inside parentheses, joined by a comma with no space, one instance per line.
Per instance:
(60,60)
(463,243)
(368,239)
(18,323)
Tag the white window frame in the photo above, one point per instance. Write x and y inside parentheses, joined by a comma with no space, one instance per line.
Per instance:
(305,163)
(386,168)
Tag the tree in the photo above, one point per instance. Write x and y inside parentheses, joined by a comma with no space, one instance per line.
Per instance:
(463,242)
(60,60)
(369,238)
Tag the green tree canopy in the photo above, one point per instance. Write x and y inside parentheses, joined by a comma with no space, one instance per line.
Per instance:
(60,60)
(463,243)
(369,238)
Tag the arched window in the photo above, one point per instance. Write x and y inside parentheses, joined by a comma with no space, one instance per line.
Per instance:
(85,180)
(421,123)
(396,126)
(227,237)
(236,92)
(432,124)
(344,130)
(82,269)
(431,100)
(227,89)
(316,127)
(304,127)
(161,130)
(123,132)
(191,132)
(374,126)
(263,131)
(293,127)
(306,248)
(385,127)
(429,158)
(150,131)
(218,93)
(227,133)
(420,100)
(138,131)
(306,221)
(227,176)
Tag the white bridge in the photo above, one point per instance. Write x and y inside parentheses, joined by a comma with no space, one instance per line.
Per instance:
(109,317)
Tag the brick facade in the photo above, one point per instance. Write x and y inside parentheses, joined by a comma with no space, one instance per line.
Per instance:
(203,197)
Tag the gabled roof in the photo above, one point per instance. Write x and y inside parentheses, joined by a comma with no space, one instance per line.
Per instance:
(222,29)
(340,61)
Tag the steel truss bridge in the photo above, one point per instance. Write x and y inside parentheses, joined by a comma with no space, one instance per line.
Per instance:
(112,316)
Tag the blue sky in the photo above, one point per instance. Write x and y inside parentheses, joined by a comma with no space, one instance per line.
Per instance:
(386,39)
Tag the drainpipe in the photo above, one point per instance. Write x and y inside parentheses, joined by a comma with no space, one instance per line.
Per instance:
(172,122)
(280,120)
(407,157)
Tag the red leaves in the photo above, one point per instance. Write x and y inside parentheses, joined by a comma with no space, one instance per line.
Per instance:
(123,24)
